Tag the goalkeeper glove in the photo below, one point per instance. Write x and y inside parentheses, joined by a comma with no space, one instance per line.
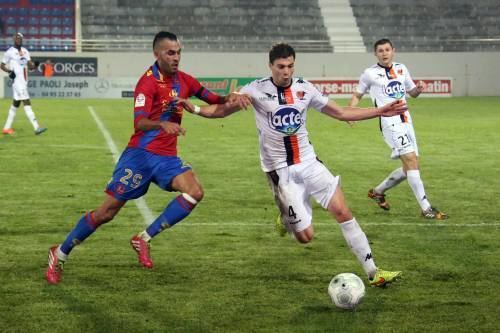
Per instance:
(12,75)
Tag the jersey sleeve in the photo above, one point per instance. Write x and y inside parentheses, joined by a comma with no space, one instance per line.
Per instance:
(318,100)
(6,58)
(27,55)
(409,84)
(247,89)
(196,89)
(143,99)
(363,84)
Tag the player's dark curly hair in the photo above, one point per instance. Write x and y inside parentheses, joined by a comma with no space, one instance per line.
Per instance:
(382,42)
(164,35)
(281,50)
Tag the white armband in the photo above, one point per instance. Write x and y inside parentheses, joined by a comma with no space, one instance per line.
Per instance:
(196,109)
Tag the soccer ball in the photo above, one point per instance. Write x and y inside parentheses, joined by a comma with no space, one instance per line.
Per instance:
(346,290)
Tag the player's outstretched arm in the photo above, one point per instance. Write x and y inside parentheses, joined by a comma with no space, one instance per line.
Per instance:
(214,110)
(236,97)
(354,113)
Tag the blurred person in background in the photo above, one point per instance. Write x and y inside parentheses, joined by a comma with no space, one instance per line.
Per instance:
(16,62)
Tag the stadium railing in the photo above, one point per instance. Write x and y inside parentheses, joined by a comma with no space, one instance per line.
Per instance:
(145,45)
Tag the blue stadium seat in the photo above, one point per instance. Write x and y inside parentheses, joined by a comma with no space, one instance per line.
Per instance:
(33,30)
(55,21)
(67,31)
(68,11)
(34,20)
(11,20)
(56,31)
(68,21)
(44,31)
(44,20)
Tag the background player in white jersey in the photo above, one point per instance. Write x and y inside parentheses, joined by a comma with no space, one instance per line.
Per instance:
(295,174)
(16,61)
(387,82)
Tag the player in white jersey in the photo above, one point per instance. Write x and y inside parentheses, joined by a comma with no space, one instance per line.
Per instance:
(387,82)
(16,61)
(281,103)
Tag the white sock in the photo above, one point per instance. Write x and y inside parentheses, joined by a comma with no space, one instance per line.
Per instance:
(396,177)
(145,236)
(417,186)
(10,117)
(60,254)
(31,116)
(357,241)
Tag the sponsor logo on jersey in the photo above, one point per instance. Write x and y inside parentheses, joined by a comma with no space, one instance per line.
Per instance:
(287,120)
(140,100)
(395,90)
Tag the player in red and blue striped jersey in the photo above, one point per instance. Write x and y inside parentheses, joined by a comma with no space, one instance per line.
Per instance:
(150,156)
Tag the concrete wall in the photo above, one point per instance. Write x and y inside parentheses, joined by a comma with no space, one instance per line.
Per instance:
(474,74)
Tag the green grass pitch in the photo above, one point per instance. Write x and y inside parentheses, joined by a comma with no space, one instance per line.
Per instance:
(224,269)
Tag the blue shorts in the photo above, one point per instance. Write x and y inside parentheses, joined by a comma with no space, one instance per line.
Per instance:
(137,168)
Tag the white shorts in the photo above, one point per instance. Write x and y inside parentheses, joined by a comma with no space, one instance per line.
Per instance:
(20,91)
(401,139)
(293,186)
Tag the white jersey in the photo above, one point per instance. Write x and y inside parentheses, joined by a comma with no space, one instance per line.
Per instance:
(385,86)
(17,60)
(280,115)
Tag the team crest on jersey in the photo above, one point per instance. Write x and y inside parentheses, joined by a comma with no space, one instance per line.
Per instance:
(300,94)
(173,93)
(287,120)
(395,90)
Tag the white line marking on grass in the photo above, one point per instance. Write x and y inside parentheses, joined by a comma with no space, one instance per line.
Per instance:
(141,204)
(375,224)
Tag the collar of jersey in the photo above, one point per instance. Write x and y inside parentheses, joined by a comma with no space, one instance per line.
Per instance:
(388,68)
(288,86)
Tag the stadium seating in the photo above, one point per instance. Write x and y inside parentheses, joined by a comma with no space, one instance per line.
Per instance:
(430,26)
(49,25)
(217,25)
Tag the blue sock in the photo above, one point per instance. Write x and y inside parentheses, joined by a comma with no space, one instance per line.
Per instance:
(176,210)
(83,229)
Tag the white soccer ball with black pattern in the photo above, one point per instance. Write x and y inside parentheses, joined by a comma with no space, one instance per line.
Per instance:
(346,290)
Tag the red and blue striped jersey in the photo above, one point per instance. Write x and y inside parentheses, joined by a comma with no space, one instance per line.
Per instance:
(153,100)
